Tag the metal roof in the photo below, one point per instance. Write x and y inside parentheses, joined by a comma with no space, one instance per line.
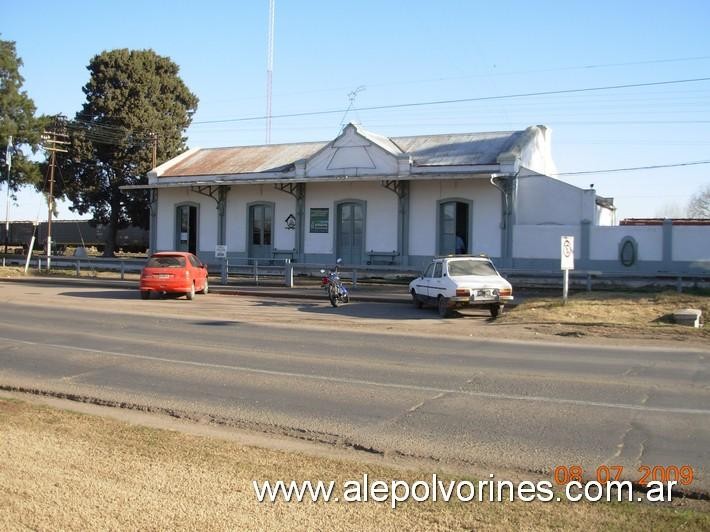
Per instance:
(242,159)
(457,149)
(425,150)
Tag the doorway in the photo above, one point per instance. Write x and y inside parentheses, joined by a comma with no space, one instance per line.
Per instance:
(261,217)
(186,228)
(454,224)
(350,234)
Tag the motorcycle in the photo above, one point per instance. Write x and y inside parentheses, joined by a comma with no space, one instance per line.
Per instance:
(333,286)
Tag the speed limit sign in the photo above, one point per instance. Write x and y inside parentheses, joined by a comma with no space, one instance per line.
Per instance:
(567,252)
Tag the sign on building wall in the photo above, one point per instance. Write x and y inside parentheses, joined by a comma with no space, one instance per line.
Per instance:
(319,220)
(220,252)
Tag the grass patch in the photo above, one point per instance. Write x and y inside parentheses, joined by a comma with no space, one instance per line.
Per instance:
(62,470)
(610,312)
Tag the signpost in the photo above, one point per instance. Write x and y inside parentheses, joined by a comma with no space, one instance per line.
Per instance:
(220,252)
(566,262)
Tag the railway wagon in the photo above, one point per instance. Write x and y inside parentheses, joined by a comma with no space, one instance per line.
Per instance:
(75,233)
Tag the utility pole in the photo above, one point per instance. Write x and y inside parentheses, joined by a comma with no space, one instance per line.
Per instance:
(269,69)
(8,162)
(154,137)
(55,139)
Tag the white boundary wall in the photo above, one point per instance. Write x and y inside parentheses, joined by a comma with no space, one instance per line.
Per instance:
(605,241)
(691,243)
(658,247)
(543,241)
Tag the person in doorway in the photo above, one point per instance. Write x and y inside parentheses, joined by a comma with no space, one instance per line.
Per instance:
(460,245)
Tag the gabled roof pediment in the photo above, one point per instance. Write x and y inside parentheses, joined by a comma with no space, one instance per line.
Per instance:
(355,152)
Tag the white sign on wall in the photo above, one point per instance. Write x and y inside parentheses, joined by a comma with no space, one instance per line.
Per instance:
(220,252)
(567,252)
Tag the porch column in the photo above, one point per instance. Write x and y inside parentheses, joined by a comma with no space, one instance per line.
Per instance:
(222,215)
(403,224)
(301,222)
(507,188)
(153,224)
(401,190)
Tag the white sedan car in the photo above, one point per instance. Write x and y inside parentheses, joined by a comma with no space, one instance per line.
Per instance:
(461,281)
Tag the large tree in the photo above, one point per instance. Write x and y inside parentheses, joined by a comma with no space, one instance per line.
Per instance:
(17,119)
(132,98)
(699,206)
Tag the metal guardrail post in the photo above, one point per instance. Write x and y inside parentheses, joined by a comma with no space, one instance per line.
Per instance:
(354,280)
(589,282)
(123,271)
(256,272)
(679,284)
(39,265)
(288,273)
(78,268)
(225,271)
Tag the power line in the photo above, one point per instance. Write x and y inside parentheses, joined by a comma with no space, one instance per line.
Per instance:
(461,100)
(631,169)
(471,76)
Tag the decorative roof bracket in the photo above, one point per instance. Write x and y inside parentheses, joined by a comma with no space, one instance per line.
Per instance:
(297,190)
(400,188)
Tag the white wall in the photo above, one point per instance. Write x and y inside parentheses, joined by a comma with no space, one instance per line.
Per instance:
(691,243)
(543,241)
(207,218)
(604,242)
(544,200)
(240,197)
(381,223)
(605,216)
(487,214)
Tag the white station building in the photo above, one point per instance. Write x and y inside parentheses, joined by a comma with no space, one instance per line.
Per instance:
(366,198)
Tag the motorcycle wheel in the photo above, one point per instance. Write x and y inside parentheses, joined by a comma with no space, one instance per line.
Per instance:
(333,296)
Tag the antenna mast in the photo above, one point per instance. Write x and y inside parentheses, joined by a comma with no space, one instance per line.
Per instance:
(269,70)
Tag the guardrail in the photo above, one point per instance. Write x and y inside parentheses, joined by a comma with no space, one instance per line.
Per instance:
(260,268)
(122,266)
(284,270)
(587,279)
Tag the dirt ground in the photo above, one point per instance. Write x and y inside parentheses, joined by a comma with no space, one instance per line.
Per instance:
(65,470)
(632,315)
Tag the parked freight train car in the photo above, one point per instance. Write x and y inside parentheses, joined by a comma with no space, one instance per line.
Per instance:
(75,233)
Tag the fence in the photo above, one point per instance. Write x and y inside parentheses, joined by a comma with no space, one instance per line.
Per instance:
(283,271)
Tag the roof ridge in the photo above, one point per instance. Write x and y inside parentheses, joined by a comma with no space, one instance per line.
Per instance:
(265,145)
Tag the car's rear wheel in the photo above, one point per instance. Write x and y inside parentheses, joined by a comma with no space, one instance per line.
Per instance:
(415,299)
(495,310)
(145,294)
(191,294)
(443,307)
(206,289)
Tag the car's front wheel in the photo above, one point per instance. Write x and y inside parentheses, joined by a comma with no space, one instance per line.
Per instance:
(191,294)
(443,307)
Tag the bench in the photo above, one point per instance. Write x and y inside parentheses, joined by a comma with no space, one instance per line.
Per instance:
(382,257)
(283,254)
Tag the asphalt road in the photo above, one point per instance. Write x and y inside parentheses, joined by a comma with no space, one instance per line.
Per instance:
(283,369)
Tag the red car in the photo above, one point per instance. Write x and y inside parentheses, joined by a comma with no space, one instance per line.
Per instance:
(174,272)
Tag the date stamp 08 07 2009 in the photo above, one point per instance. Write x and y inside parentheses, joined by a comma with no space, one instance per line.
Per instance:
(683,475)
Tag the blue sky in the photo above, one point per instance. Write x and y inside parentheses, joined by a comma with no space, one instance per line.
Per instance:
(412,51)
